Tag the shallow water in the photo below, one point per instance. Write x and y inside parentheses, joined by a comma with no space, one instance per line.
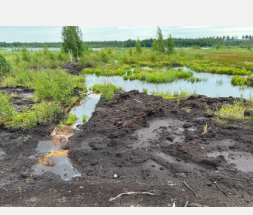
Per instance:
(86,107)
(36,49)
(210,88)
(241,160)
(54,150)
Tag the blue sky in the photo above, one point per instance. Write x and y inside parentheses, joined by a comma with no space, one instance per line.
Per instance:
(106,33)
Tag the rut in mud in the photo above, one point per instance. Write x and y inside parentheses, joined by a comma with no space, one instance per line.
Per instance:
(140,143)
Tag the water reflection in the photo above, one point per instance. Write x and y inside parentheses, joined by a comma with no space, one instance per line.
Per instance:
(217,85)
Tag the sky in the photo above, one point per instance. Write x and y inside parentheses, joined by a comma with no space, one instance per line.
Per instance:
(120,33)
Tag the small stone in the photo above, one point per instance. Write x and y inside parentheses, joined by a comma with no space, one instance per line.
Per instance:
(171,138)
(48,163)
(187,125)
(81,187)
(161,168)
(115,176)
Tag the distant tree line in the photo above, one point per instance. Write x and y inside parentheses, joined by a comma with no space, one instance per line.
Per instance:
(31,45)
(179,42)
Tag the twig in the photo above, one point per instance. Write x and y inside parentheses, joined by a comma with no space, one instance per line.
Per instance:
(190,188)
(186,204)
(174,204)
(137,100)
(4,189)
(130,193)
(218,186)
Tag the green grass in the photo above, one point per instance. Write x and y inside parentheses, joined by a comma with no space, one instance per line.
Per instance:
(85,117)
(175,95)
(231,112)
(241,81)
(71,119)
(145,90)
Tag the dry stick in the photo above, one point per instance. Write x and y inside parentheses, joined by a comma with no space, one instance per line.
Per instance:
(4,189)
(190,188)
(137,100)
(218,186)
(186,204)
(129,193)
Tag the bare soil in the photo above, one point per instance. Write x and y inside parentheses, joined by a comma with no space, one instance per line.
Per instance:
(74,69)
(140,143)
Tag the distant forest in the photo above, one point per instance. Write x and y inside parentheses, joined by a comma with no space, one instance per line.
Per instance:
(179,42)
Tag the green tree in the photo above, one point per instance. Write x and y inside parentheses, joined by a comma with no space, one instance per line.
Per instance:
(155,45)
(218,46)
(5,66)
(25,54)
(170,45)
(72,42)
(138,46)
(45,48)
(17,59)
(160,42)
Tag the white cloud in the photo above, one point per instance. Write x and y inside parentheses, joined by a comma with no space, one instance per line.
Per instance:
(101,33)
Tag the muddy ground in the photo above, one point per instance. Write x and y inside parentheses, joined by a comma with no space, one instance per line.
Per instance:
(140,143)
(74,69)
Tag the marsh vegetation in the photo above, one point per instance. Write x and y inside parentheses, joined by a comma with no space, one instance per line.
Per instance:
(154,68)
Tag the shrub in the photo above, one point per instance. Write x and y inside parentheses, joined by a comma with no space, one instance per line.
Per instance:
(6,109)
(5,66)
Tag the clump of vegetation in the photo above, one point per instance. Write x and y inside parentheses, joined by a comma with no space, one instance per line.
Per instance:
(188,110)
(175,95)
(230,112)
(205,129)
(41,113)
(106,90)
(56,85)
(71,119)
(145,90)
(85,117)
(194,79)
(5,66)
(240,81)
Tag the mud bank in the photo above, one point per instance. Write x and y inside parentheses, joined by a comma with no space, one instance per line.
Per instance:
(74,69)
(140,143)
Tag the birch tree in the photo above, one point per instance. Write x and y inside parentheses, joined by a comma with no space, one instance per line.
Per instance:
(72,42)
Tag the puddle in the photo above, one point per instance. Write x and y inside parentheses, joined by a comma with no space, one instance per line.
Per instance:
(242,160)
(157,128)
(53,153)
(53,156)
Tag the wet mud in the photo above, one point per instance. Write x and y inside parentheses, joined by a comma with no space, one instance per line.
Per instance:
(140,143)
(74,69)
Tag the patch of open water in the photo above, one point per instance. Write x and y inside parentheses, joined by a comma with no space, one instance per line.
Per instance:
(217,85)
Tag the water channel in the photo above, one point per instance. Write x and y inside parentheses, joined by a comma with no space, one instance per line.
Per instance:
(52,154)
